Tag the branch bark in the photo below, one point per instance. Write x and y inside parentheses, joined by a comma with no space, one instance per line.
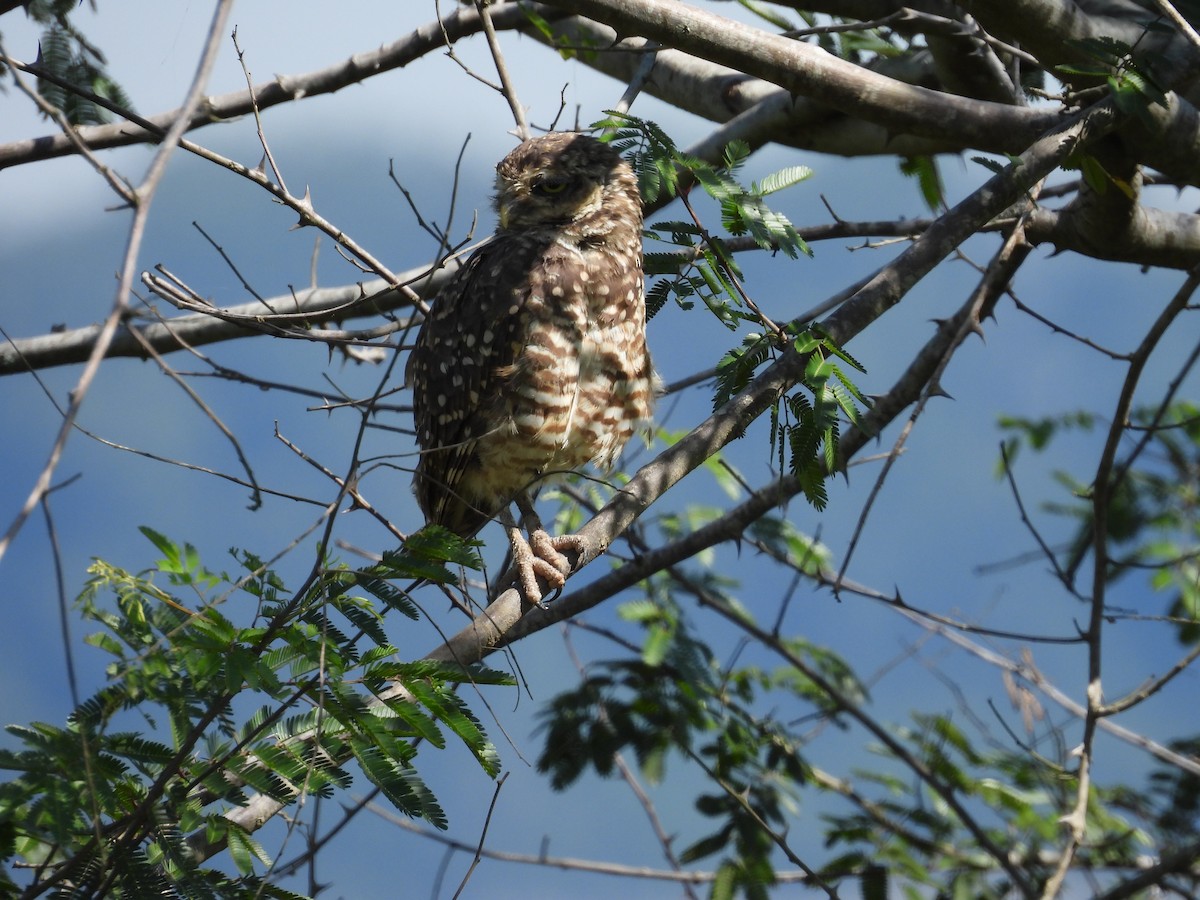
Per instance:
(808,71)
(316,305)
(873,300)
(428,38)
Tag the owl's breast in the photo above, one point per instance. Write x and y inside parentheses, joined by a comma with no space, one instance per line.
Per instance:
(578,392)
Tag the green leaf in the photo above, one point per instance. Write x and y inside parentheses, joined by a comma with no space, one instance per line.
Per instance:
(724,883)
(243,849)
(925,169)
(783,179)
(400,783)
(658,643)
(706,846)
(396,598)
(1085,71)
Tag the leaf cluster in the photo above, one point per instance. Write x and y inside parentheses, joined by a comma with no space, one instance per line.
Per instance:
(1016,797)
(677,698)
(67,54)
(702,266)
(198,710)
(806,422)
(1126,71)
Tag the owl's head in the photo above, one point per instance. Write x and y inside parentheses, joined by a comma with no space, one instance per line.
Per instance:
(562,179)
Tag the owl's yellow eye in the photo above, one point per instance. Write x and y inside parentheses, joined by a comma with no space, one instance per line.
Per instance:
(551,185)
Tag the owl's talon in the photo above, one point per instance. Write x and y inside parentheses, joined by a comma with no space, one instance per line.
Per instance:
(550,549)
(540,556)
(536,558)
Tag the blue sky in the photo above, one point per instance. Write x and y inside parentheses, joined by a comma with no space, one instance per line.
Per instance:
(941,514)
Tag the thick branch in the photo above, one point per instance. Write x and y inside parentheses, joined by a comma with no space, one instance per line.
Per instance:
(809,71)
(719,94)
(877,106)
(1148,236)
(1052,30)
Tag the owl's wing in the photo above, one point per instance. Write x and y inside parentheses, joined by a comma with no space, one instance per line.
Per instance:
(457,370)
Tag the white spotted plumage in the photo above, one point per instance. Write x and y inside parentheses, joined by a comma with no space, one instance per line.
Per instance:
(533,360)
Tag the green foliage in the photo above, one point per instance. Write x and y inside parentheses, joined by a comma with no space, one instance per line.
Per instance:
(110,810)
(1126,71)
(703,267)
(65,53)
(1038,433)
(786,542)
(806,423)
(1017,798)
(569,47)
(929,179)
(678,696)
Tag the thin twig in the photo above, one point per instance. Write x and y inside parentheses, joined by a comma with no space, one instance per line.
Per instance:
(64,619)
(475,861)
(641,76)
(262,136)
(120,186)
(360,502)
(143,197)
(508,89)
(256,495)
(568,863)
(1184,26)
(995,280)
(1103,488)
(780,840)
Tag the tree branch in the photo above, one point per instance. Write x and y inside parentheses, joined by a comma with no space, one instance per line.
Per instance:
(876,297)
(299,309)
(428,38)
(810,72)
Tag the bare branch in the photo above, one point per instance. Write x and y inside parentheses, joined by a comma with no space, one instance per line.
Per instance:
(144,195)
(508,89)
(1102,491)
(807,71)
(300,309)
(428,38)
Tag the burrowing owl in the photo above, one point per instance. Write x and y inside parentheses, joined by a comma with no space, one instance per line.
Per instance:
(533,361)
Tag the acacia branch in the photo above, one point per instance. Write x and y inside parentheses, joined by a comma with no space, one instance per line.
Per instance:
(1103,488)
(1053,29)
(298,309)
(684,877)
(882,292)
(1146,236)
(808,71)
(429,38)
(508,617)
(719,93)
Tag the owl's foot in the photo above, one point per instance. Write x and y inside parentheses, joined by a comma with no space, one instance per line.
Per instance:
(542,556)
